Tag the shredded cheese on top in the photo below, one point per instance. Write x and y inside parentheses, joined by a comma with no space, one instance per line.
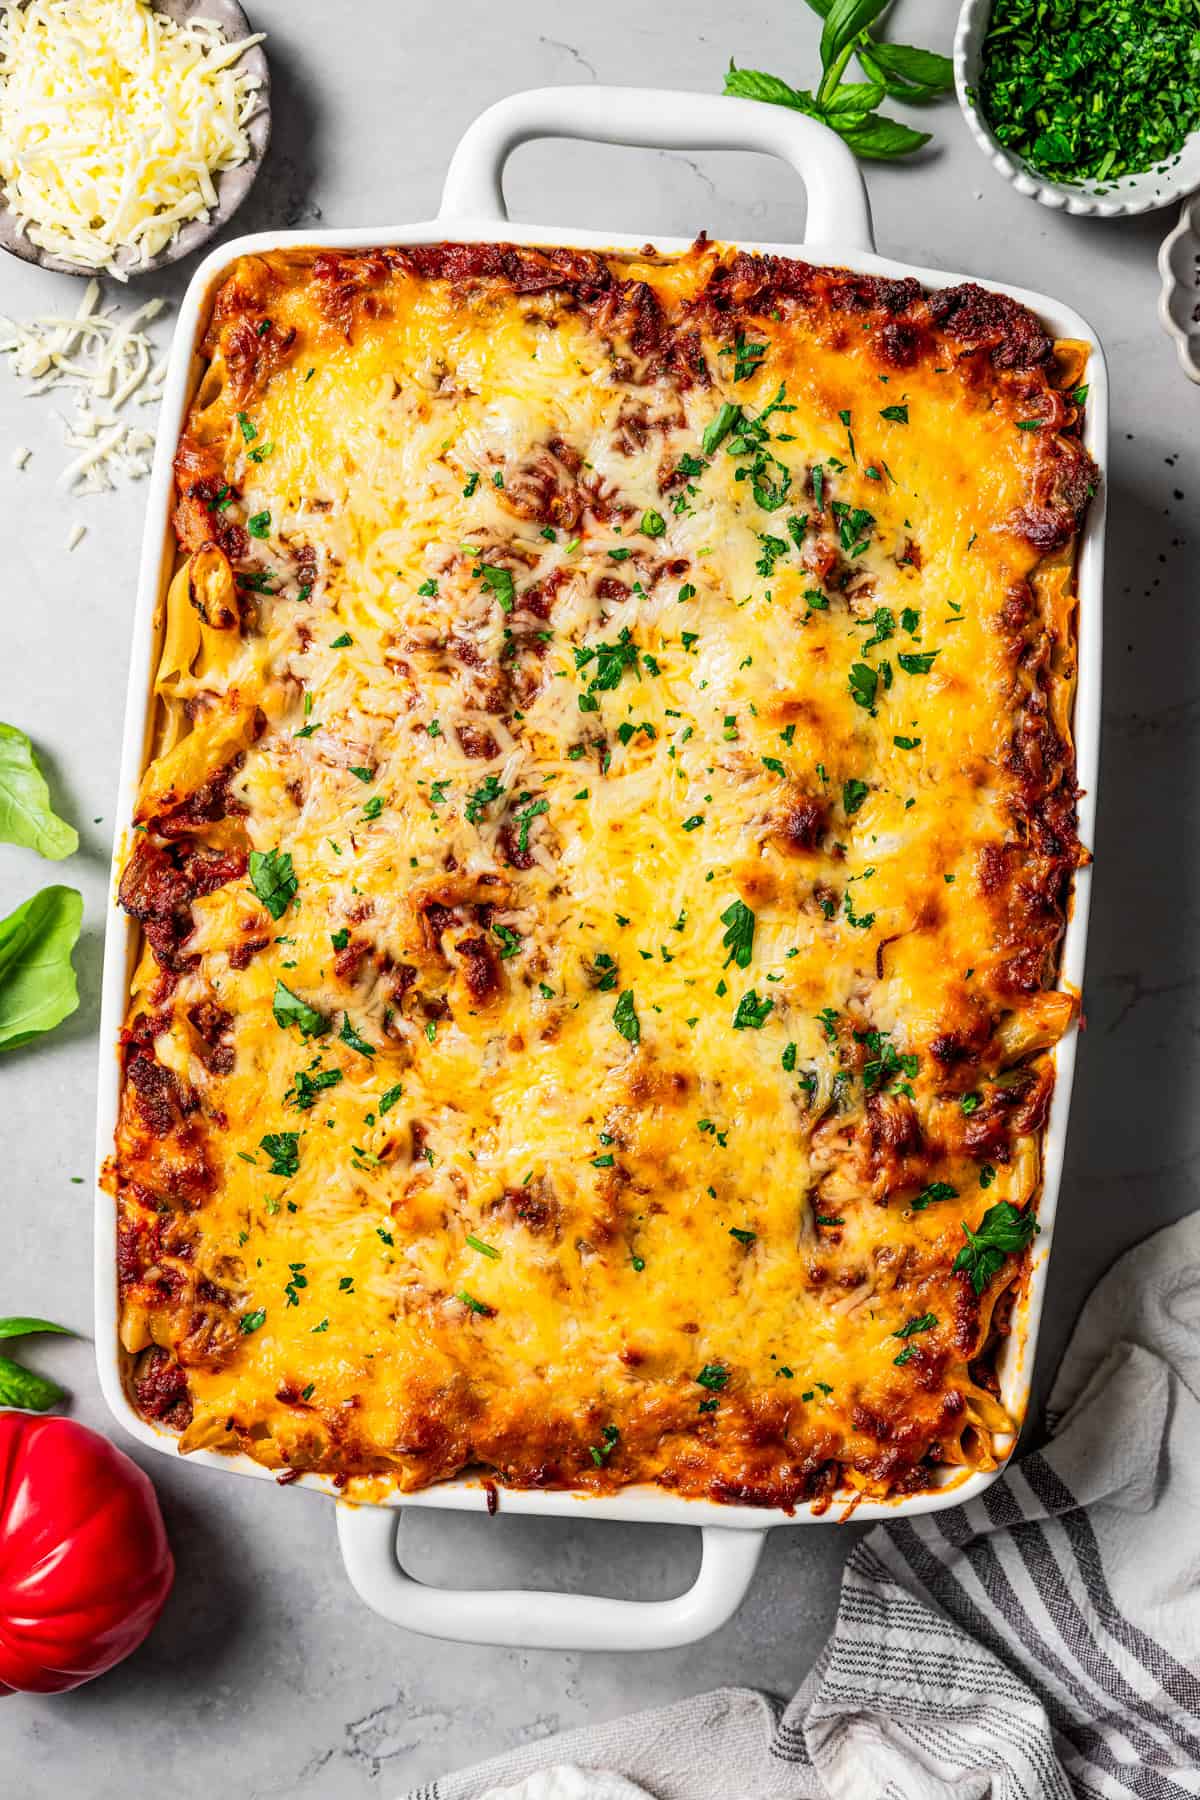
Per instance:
(114,120)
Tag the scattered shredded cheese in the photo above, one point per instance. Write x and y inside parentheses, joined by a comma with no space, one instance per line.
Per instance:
(107,360)
(78,533)
(21,456)
(114,119)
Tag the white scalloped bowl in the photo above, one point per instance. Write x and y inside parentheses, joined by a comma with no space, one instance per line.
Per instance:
(1133,194)
(1179,302)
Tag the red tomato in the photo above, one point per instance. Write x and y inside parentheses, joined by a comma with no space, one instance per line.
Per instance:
(84,1561)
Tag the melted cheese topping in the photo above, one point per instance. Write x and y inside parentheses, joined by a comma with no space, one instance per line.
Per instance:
(638,794)
(114,118)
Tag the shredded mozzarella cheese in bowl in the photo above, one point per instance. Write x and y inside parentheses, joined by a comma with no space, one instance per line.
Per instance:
(117,122)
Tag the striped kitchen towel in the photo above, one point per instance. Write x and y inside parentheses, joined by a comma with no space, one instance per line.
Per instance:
(1040,1643)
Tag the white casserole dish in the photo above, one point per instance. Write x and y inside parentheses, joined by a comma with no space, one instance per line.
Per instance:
(839,231)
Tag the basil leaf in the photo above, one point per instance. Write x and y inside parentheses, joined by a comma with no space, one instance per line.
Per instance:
(878,139)
(757,84)
(37,982)
(21,1387)
(910,68)
(854,97)
(273,879)
(290,1009)
(23,1327)
(843,22)
(26,815)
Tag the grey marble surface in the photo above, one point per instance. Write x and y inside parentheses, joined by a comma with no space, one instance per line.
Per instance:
(266,1676)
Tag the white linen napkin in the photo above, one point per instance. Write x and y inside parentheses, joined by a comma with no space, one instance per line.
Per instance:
(1039,1643)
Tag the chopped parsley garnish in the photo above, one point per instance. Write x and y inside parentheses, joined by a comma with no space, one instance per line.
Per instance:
(476,1306)
(343,642)
(472,484)
(625,1018)
(510,942)
(692,824)
(252,1321)
(390,1098)
(906,743)
(428,588)
(273,879)
(743,1237)
(913,1328)
(752,1013)
(747,356)
(788,1059)
(853,794)
(611,662)
(864,685)
(917,664)
(885,1063)
(713,1376)
(718,429)
(373,807)
(307,1084)
(283,1148)
(1004,1230)
(489,790)
(259,524)
(289,1009)
(772,548)
(348,1035)
(525,819)
(970,1103)
(499,582)
(653,524)
(931,1195)
(738,938)
(986,1175)
(610,1437)
(897,414)
(249,430)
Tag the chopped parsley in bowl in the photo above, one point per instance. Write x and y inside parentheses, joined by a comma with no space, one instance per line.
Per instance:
(1091,105)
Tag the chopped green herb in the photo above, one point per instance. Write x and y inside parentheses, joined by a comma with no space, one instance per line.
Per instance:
(289,1009)
(739,934)
(499,582)
(752,1013)
(625,1018)
(931,1195)
(348,1035)
(273,879)
(853,794)
(1004,1231)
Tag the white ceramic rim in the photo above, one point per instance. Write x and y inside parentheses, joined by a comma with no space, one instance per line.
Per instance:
(1137,194)
(473,210)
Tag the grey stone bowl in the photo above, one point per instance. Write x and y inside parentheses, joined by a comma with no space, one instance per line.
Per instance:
(232,187)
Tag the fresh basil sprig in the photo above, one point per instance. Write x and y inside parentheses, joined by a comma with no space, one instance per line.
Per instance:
(20,1387)
(895,71)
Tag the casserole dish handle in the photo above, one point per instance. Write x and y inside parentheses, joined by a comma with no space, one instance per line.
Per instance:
(535,1620)
(658,118)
